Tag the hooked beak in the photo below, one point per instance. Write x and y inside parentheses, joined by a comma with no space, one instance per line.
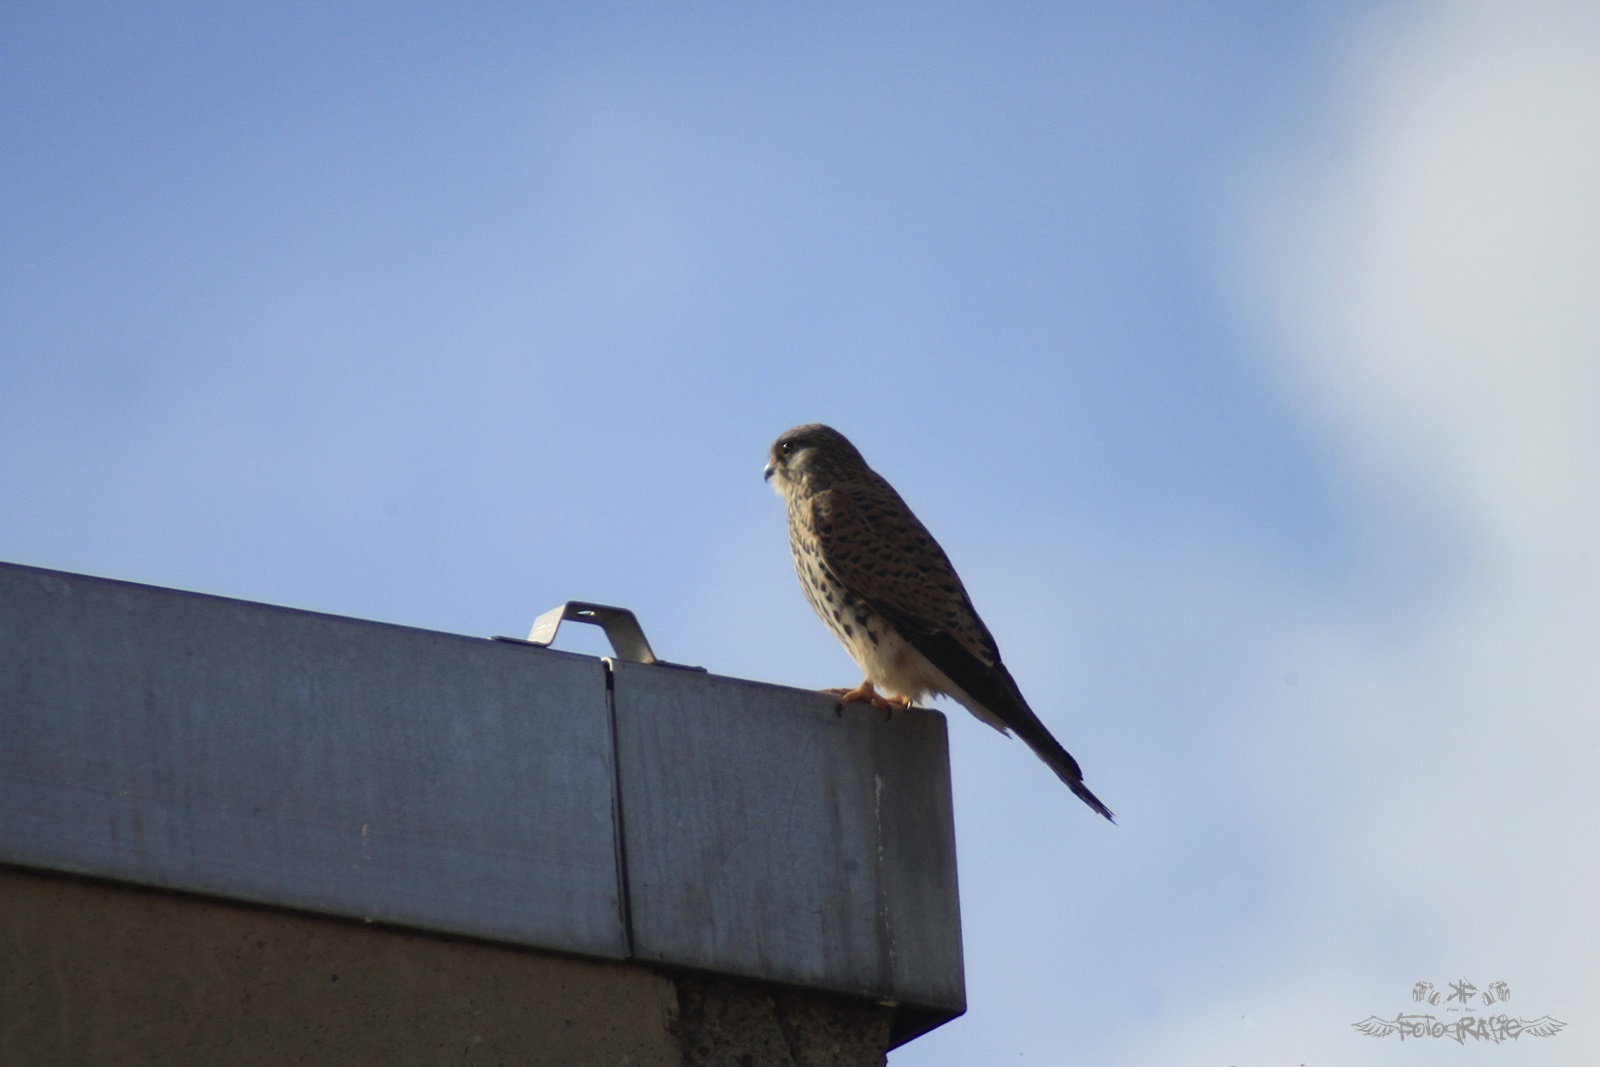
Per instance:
(766,473)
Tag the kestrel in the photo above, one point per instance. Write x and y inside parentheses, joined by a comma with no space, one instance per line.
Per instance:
(889,594)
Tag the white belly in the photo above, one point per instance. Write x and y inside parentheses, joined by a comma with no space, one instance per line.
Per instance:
(898,669)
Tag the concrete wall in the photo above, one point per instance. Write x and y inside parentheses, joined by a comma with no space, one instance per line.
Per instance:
(94,973)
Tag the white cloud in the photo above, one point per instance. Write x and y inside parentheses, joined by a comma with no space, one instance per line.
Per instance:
(1435,275)
(1428,270)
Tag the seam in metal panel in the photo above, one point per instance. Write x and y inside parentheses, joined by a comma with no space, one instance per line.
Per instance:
(624,900)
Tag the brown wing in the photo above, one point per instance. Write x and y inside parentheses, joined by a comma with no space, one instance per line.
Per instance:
(876,548)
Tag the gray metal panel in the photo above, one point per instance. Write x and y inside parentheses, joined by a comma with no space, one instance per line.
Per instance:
(468,786)
(767,835)
(305,760)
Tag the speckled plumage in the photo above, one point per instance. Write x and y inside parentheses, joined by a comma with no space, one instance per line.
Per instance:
(887,591)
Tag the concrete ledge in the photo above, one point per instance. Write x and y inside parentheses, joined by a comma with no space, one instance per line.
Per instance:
(101,974)
(487,790)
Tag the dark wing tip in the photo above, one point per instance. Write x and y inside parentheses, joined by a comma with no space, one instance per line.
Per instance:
(991,685)
(1083,794)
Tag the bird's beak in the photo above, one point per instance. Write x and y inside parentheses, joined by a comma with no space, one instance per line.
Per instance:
(766,473)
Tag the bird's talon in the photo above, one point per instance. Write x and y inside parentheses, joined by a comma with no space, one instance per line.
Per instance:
(862,692)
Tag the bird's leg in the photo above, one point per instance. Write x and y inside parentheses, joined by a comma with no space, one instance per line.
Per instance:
(868,693)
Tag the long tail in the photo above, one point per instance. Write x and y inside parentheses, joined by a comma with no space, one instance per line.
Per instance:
(1027,726)
(988,691)
(1066,768)
(1088,798)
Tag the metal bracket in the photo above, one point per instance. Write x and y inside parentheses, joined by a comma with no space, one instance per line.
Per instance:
(621,628)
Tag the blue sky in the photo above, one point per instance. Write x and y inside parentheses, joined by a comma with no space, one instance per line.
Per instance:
(1244,358)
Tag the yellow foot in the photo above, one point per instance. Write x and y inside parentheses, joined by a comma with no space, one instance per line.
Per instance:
(868,693)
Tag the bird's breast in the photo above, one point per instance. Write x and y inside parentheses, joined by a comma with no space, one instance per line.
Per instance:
(886,659)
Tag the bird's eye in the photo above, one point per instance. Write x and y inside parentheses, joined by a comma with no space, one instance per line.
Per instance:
(786,448)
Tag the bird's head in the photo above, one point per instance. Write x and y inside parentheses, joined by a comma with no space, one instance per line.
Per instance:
(808,459)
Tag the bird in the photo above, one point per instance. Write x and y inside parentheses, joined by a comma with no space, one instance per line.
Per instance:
(888,592)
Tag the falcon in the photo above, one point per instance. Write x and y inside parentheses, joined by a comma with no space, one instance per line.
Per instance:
(887,591)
